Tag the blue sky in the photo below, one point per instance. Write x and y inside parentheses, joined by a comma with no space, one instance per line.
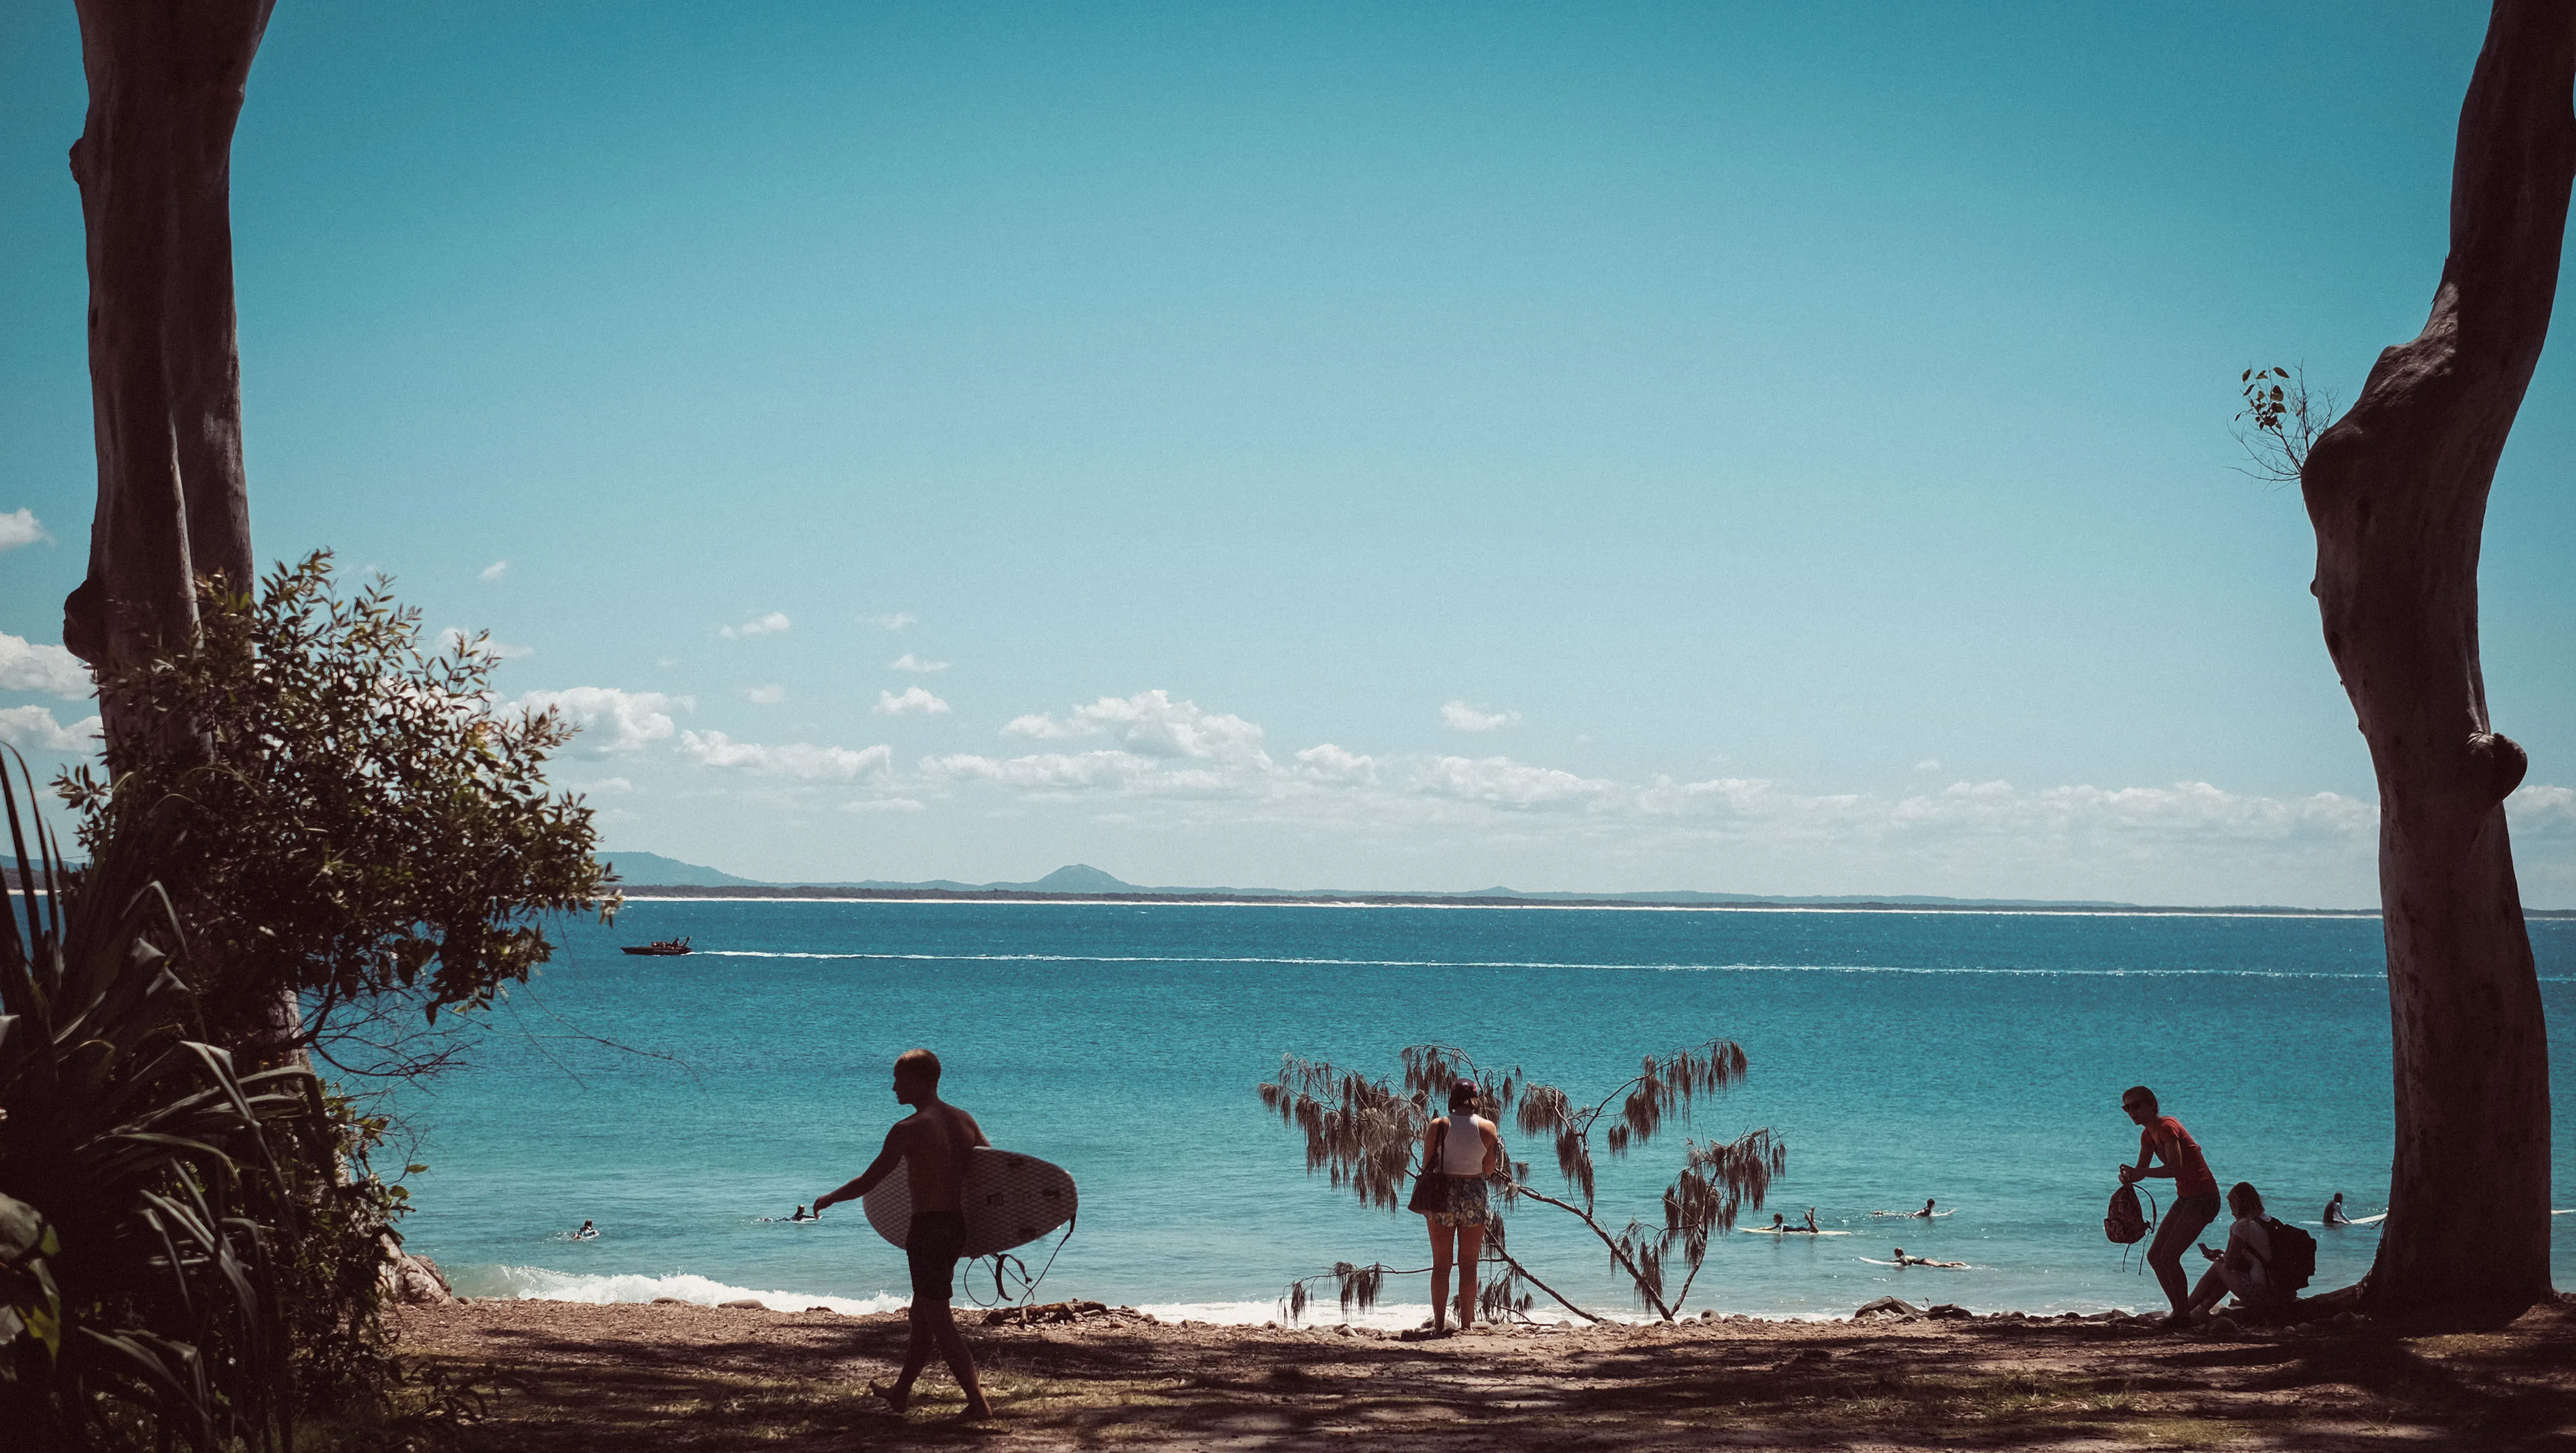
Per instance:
(1771,449)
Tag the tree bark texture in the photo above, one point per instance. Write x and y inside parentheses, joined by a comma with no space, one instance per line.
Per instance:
(154,163)
(2397,491)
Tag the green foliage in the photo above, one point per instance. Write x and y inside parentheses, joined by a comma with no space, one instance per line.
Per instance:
(143,1210)
(352,821)
(1364,1133)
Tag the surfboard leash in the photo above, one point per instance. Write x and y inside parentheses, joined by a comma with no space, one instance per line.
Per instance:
(1003,1261)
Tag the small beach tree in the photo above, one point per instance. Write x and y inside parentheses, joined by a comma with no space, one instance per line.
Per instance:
(1365,1133)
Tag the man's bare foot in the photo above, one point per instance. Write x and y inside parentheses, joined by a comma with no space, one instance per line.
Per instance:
(977,1410)
(897,1398)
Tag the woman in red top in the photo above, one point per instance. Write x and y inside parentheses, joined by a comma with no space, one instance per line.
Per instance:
(2166,1149)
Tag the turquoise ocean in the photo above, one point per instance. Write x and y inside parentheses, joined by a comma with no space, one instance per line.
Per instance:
(1973,1057)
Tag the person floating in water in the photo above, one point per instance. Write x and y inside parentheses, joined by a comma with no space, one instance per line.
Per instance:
(586,1232)
(2170,1150)
(2334,1215)
(1924,1215)
(1904,1260)
(804,1215)
(930,1146)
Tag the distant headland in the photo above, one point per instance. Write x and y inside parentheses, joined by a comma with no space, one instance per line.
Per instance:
(652,874)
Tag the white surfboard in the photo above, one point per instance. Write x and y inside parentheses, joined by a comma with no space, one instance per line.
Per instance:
(1911,1265)
(1011,1200)
(1914,1215)
(1786,1231)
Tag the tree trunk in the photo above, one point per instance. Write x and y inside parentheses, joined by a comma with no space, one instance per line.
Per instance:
(154,165)
(2397,491)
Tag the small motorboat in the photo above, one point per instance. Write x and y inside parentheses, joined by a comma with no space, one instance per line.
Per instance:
(660,948)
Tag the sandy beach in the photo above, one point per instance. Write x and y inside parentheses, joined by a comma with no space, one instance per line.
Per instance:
(567,1376)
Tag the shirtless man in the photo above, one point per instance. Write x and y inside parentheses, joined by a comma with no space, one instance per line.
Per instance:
(930,1145)
(1904,1260)
(2334,1212)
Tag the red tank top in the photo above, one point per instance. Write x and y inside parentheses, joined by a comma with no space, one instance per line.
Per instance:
(2181,1155)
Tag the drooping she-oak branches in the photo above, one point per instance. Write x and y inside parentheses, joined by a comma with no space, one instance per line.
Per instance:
(2397,491)
(1364,1134)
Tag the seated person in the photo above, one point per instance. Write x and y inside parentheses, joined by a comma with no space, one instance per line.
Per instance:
(2334,1215)
(2245,1267)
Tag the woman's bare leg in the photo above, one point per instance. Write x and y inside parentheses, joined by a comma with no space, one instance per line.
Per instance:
(1471,1249)
(1443,1242)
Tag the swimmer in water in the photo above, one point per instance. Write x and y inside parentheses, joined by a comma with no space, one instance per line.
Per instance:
(1904,1260)
(804,1215)
(586,1232)
(2334,1215)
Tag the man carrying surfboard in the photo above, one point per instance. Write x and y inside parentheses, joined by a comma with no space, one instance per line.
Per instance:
(930,1145)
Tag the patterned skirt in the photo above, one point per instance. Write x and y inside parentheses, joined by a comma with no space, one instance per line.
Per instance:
(1470,1204)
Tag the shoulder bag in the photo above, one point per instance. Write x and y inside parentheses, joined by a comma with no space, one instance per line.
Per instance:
(1431,1187)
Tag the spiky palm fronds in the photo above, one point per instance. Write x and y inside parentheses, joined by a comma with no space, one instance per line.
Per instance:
(142,1206)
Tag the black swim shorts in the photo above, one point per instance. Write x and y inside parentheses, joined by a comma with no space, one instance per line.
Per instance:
(933,1245)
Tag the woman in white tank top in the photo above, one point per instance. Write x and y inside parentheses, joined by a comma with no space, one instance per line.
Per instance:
(1467,1148)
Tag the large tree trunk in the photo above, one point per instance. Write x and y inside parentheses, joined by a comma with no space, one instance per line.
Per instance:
(154,165)
(2397,491)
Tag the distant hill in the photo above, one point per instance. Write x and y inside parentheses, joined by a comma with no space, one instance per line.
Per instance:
(652,870)
(1075,880)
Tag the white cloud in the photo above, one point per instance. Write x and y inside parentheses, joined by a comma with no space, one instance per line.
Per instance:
(913,702)
(1151,724)
(34,729)
(798,760)
(31,666)
(767,695)
(453,640)
(910,662)
(1928,764)
(1504,782)
(1465,718)
(893,621)
(2191,841)
(610,720)
(773,624)
(606,787)
(1329,763)
(19,527)
(881,804)
(2540,812)
(496,570)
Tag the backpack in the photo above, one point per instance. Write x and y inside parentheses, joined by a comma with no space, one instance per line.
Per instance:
(2294,1256)
(2127,1222)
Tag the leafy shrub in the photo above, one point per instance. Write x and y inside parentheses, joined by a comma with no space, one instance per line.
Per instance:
(353,823)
